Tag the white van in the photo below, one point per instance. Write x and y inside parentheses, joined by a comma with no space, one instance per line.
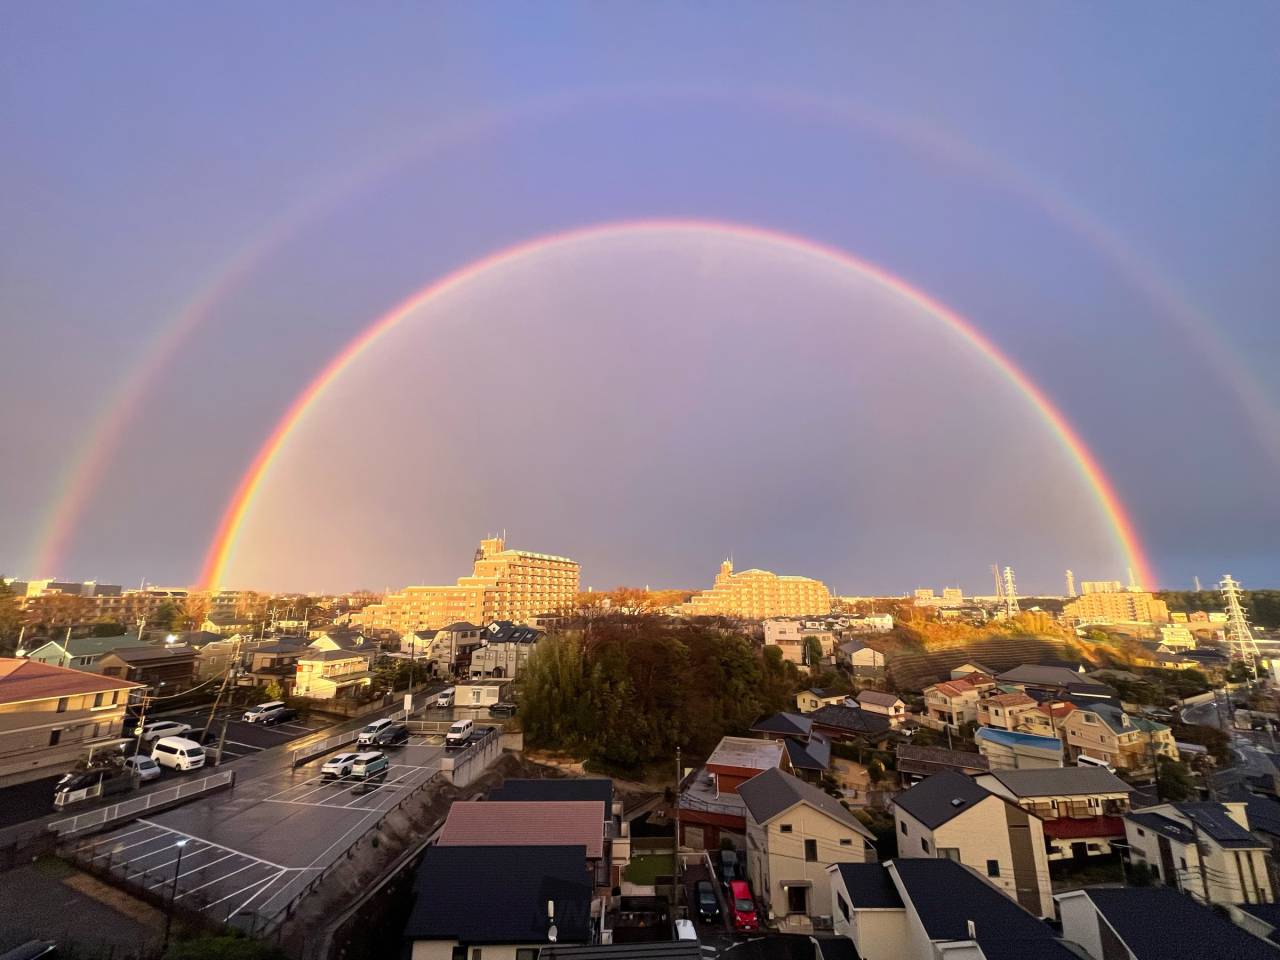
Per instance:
(264,711)
(369,735)
(1084,760)
(445,699)
(458,735)
(178,753)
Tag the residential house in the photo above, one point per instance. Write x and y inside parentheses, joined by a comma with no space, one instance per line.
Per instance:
(886,704)
(841,723)
(709,803)
(506,823)
(1082,808)
(498,902)
(272,662)
(215,657)
(808,751)
(505,650)
(1004,711)
(331,674)
(417,644)
(814,698)
(1015,750)
(1153,923)
(953,703)
(915,763)
(1046,720)
(1055,678)
(922,909)
(795,831)
(165,668)
(862,662)
(950,816)
(481,694)
(346,642)
(79,653)
(788,634)
(1204,849)
(1127,742)
(454,645)
(50,717)
(597,790)
(970,667)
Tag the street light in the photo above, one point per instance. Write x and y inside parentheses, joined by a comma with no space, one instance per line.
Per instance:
(173,893)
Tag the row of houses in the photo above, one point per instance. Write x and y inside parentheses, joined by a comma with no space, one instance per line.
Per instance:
(499,650)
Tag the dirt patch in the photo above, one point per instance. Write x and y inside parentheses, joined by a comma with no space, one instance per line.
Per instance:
(117,900)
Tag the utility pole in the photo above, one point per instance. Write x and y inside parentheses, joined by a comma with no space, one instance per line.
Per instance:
(226,679)
(679,771)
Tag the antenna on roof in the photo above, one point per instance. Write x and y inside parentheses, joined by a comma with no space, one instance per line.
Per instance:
(972,929)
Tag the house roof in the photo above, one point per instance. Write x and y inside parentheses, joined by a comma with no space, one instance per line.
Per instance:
(1164,826)
(1268,913)
(279,647)
(870,886)
(1010,700)
(786,724)
(324,656)
(1214,820)
(852,646)
(595,789)
(504,631)
(88,646)
(941,798)
(148,653)
(24,680)
(745,752)
(921,757)
(954,688)
(813,754)
(947,895)
(878,697)
(530,822)
(851,720)
(1061,782)
(1016,738)
(198,638)
(1044,674)
(773,792)
(1263,814)
(459,625)
(1158,923)
(499,894)
(1120,722)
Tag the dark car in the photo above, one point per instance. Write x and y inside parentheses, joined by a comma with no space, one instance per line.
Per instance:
(284,716)
(393,736)
(730,868)
(503,708)
(708,902)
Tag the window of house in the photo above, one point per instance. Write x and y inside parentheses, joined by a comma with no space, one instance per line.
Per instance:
(843,906)
(62,704)
(846,842)
(811,850)
(97,699)
(1183,862)
(785,827)
(475,953)
(924,844)
(527,953)
(459,953)
(54,737)
(903,826)
(993,868)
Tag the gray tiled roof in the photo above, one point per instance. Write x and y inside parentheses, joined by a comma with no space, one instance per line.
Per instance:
(1158,923)
(870,886)
(1061,782)
(941,797)
(853,720)
(772,792)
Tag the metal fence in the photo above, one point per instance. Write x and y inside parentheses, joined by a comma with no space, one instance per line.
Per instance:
(140,805)
(317,748)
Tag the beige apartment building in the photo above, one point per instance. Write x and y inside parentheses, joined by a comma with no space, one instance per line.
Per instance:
(759,595)
(1127,742)
(505,584)
(1109,607)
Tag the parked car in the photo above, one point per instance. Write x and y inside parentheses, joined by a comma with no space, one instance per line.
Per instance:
(284,716)
(504,708)
(165,728)
(339,765)
(178,753)
(368,765)
(81,785)
(459,733)
(395,735)
(730,868)
(743,906)
(264,712)
(370,733)
(708,902)
(142,765)
(1084,760)
(445,699)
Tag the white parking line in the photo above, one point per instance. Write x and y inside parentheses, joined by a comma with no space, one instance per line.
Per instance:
(215,880)
(185,856)
(120,836)
(255,895)
(203,866)
(250,746)
(219,846)
(129,846)
(248,886)
(304,803)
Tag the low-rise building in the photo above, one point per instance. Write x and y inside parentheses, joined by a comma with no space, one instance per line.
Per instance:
(597,790)
(1204,849)
(1082,808)
(810,700)
(79,653)
(862,661)
(953,703)
(166,668)
(273,662)
(1152,923)
(843,723)
(1055,678)
(789,635)
(1004,711)
(1125,741)
(329,674)
(885,704)
(50,717)
(1015,750)
(505,649)
(481,694)
(1046,720)
(794,833)
(498,902)
(950,816)
(915,763)
(709,802)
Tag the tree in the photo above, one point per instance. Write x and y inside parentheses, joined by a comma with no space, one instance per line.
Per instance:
(275,691)
(812,651)
(194,611)
(1176,782)
(10,621)
(166,616)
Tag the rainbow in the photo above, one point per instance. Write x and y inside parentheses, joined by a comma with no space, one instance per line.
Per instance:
(222,546)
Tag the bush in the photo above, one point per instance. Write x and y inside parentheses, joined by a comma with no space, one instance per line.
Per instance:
(223,947)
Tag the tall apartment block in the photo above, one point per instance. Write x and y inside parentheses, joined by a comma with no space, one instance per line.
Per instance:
(504,585)
(1110,607)
(759,595)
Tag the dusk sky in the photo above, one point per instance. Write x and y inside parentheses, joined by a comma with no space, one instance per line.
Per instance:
(204,204)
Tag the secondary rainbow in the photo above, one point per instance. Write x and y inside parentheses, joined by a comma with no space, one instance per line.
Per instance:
(220,550)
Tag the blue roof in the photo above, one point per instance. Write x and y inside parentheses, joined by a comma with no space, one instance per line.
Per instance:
(1014,738)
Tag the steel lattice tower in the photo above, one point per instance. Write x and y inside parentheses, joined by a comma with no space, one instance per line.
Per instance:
(1010,594)
(1240,638)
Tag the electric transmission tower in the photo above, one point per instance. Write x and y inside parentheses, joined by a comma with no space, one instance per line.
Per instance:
(1010,594)
(1240,639)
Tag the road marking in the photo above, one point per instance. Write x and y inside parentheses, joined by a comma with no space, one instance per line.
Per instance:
(161,866)
(190,836)
(330,806)
(257,893)
(129,846)
(236,893)
(119,836)
(205,866)
(251,746)
(215,880)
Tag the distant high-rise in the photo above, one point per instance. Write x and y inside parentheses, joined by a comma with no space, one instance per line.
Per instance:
(1071,584)
(1100,586)
(1116,606)
(759,595)
(504,585)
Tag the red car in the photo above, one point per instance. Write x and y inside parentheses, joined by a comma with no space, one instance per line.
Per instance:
(743,906)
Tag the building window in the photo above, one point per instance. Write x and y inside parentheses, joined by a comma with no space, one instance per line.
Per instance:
(459,953)
(527,953)
(54,737)
(97,699)
(810,851)
(993,868)
(924,844)
(784,828)
(903,826)
(62,704)
(844,907)
(846,842)
(475,953)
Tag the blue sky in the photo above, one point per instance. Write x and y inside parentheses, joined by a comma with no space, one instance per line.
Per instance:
(146,144)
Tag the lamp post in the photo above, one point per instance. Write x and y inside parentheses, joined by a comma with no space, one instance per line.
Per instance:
(173,894)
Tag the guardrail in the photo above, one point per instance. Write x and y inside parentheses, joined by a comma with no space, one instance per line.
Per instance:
(139,805)
(310,751)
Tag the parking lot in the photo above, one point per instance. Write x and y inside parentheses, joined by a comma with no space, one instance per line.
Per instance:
(244,739)
(249,851)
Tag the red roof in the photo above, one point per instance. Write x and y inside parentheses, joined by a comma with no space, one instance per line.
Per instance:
(25,680)
(1072,828)
(525,823)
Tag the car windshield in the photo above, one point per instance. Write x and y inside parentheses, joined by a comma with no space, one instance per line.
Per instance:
(373,727)
(744,906)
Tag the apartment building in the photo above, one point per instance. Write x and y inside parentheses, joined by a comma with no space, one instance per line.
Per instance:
(504,650)
(949,816)
(953,703)
(1116,607)
(1125,741)
(759,595)
(1204,849)
(52,716)
(504,584)
(790,636)
(326,674)
(1082,808)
